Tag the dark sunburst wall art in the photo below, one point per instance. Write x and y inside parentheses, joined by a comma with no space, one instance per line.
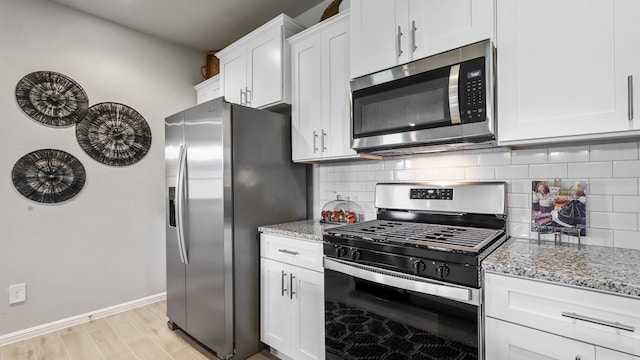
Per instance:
(52,98)
(114,134)
(48,176)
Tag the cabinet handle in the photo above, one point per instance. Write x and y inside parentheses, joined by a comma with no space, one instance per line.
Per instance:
(241,93)
(398,46)
(413,35)
(630,95)
(248,96)
(324,134)
(284,275)
(615,325)
(291,292)
(289,252)
(315,136)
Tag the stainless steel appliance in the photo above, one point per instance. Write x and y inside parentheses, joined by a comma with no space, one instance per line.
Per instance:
(445,101)
(228,171)
(408,284)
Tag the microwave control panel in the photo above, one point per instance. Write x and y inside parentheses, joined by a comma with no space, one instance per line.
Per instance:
(472,89)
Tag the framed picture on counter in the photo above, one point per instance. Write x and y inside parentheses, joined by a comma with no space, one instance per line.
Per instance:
(559,206)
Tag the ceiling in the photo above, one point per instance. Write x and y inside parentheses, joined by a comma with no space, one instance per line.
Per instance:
(199,24)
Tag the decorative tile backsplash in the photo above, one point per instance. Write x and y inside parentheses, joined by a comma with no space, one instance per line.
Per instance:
(611,173)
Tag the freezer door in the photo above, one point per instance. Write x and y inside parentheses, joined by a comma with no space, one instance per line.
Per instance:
(176,272)
(208,217)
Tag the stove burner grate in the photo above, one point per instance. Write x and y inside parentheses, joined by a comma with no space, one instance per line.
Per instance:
(469,239)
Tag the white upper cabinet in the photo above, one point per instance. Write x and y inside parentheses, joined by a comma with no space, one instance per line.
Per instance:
(386,33)
(564,69)
(208,89)
(255,70)
(320,109)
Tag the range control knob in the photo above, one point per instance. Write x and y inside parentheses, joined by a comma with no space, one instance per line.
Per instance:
(356,255)
(443,271)
(419,266)
(340,251)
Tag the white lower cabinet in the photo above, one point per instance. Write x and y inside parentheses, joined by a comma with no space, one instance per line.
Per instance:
(507,341)
(528,319)
(292,298)
(607,354)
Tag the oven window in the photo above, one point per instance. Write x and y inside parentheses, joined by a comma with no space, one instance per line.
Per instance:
(365,320)
(408,104)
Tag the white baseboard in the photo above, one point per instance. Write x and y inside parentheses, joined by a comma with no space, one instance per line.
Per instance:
(78,319)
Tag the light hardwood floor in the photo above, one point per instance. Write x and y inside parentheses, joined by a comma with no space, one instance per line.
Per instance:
(138,334)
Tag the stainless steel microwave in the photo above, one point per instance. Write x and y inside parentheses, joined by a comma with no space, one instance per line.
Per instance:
(441,102)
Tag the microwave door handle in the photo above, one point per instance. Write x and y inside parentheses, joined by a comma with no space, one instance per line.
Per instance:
(454,104)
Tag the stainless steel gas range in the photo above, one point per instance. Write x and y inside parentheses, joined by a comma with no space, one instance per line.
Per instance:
(408,284)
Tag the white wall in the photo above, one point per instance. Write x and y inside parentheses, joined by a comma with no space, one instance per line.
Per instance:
(106,246)
(611,172)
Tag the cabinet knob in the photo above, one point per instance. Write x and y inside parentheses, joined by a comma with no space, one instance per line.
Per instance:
(578,357)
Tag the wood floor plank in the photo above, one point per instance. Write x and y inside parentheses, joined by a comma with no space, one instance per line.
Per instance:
(49,347)
(126,329)
(18,351)
(147,349)
(79,345)
(157,330)
(187,353)
(110,345)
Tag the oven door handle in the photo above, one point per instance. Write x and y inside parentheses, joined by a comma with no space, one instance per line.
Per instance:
(404,281)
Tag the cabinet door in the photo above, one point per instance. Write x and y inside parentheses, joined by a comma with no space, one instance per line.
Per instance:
(233,76)
(336,117)
(275,304)
(308,316)
(445,25)
(557,76)
(628,54)
(264,69)
(507,341)
(606,354)
(375,41)
(306,108)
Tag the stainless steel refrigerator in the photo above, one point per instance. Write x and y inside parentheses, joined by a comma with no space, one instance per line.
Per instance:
(228,171)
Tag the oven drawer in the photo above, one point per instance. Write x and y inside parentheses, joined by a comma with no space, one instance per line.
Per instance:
(298,252)
(594,317)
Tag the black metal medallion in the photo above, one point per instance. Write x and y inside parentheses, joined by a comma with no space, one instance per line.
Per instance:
(114,134)
(52,98)
(48,176)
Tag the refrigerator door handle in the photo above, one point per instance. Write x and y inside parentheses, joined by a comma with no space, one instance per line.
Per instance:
(180,195)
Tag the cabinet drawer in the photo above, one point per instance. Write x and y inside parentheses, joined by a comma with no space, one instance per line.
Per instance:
(598,318)
(298,252)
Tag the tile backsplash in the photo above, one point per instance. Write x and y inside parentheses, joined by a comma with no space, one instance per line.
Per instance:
(611,173)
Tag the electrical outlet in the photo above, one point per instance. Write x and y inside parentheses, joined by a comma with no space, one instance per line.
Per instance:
(17,293)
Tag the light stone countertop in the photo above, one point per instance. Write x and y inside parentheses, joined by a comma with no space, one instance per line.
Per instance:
(610,269)
(304,229)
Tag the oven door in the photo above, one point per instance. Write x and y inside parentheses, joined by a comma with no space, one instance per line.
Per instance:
(375,313)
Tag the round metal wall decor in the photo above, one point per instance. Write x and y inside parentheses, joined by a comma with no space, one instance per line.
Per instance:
(52,98)
(114,134)
(48,176)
